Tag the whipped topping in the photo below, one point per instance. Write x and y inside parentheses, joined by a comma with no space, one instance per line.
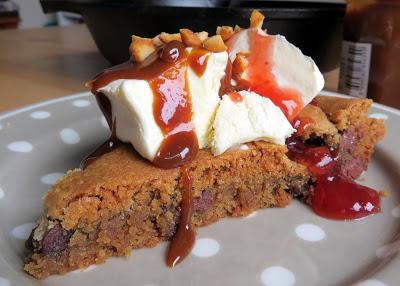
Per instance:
(251,118)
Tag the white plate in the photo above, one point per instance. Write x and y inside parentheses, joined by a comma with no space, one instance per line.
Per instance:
(290,246)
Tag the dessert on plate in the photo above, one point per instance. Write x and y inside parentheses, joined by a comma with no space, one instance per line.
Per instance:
(204,127)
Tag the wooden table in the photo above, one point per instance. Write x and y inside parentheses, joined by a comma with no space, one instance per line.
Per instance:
(45,63)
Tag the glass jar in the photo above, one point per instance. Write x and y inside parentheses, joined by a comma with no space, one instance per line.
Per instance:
(370,62)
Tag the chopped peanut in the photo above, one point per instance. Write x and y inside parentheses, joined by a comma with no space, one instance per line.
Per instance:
(189,38)
(239,65)
(225,32)
(166,38)
(383,194)
(202,35)
(256,19)
(237,29)
(89,84)
(157,41)
(141,48)
(215,44)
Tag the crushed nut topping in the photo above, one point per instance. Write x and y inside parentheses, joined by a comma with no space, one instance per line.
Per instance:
(225,32)
(166,38)
(141,48)
(215,44)
(256,19)
(239,65)
(189,38)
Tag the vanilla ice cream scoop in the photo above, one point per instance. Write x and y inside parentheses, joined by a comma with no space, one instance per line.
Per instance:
(246,116)
(132,103)
(274,68)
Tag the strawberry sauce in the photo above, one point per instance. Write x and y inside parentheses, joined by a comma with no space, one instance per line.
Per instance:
(334,196)
(259,76)
(235,96)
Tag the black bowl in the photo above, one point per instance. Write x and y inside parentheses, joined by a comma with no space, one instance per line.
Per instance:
(316,28)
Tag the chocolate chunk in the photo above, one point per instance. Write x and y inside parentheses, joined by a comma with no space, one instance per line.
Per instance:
(353,168)
(29,242)
(315,141)
(350,165)
(204,202)
(298,187)
(55,240)
(347,141)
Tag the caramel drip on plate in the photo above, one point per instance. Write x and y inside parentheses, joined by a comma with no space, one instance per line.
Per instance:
(183,240)
(111,144)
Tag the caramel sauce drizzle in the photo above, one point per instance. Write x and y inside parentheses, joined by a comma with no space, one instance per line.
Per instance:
(111,144)
(172,109)
(183,240)
(197,60)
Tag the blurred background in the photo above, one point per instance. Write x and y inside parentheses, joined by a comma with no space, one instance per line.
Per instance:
(56,45)
(29,14)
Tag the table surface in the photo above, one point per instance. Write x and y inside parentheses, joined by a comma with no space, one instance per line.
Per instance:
(45,63)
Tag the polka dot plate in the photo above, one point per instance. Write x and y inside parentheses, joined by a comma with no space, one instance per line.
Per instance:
(274,247)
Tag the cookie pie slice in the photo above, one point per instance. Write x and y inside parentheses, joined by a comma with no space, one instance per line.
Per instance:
(205,127)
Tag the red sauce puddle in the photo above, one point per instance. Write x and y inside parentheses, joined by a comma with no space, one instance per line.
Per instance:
(334,196)
(183,241)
